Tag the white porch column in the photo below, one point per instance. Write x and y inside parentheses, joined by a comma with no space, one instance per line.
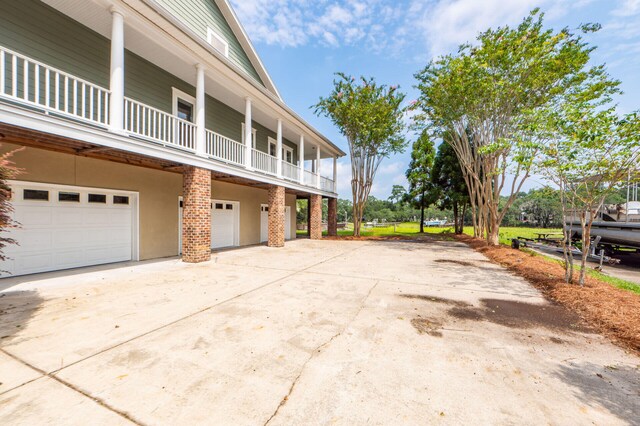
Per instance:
(279,148)
(318,166)
(247,133)
(335,174)
(116,84)
(200,112)
(301,159)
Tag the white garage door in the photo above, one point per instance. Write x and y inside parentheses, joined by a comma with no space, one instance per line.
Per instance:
(224,224)
(264,223)
(65,227)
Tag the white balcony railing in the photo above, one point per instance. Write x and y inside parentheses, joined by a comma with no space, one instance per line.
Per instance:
(225,149)
(264,162)
(310,178)
(326,184)
(290,171)
(159,126)
(28,81)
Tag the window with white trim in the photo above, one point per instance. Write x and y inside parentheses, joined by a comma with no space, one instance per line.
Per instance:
(287,154)
(183,105)
(254,133)
(218,42)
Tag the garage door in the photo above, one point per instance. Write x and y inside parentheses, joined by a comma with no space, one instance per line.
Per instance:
(65,227)
(224,224)
(264,223)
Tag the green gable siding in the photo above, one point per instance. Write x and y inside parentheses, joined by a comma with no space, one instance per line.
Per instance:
(199,15)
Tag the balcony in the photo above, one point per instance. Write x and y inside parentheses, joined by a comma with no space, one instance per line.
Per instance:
(30,83)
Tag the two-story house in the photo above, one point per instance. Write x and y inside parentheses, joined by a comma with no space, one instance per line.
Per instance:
(147,129)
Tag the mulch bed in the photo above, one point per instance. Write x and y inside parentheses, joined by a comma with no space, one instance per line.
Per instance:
(611,311)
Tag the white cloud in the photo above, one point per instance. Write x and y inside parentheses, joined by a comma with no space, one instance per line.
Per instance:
(292,23)
(627,8)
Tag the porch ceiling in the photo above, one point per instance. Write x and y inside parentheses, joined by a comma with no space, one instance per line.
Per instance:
(35,139)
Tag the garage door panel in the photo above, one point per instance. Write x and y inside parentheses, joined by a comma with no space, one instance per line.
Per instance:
(97,217)
(33,239)
(67,216)
(33,262)
(67,238)
(33,215)
(114,253)
(69,258)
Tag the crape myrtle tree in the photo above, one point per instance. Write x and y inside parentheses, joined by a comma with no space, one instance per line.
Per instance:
(418,175)
(448,185)
(371,117)
(591,158)
(491,99)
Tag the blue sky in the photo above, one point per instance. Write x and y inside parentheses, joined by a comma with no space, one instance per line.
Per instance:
(303,42)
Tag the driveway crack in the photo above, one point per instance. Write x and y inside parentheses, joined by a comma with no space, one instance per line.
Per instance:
(318,350)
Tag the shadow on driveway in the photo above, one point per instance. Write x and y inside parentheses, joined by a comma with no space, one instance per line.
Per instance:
(16,309)
(616,388)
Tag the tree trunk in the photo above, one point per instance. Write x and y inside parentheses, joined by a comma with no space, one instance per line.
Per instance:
(493,231)
(357,221)
(422,213)
(455,217)
(586,246)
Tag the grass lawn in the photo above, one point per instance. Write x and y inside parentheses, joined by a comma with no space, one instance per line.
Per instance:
(413,228)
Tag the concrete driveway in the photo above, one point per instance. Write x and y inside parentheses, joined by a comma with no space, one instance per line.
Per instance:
(320,332)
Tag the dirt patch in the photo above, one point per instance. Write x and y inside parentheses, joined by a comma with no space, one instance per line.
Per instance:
(612,311)
(522,315)
(511,313)
(435,299)
(455,262)
(427,326)
(467,314)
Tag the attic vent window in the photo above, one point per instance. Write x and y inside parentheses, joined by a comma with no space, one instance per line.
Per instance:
(218,42)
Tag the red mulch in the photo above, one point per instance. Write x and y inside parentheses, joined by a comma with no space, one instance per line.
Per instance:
(612,311)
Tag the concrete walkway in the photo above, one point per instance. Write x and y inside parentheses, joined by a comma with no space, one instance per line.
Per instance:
(320,332)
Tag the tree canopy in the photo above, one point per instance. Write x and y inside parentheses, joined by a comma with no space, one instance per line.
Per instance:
(491,100)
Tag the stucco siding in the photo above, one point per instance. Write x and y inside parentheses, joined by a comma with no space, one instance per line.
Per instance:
(159,194)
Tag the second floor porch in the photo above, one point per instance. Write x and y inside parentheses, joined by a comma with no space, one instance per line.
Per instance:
(165,110)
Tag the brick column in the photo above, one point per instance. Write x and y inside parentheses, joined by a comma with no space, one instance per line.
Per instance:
(276,216)
(315,217)
(196,215)
(333,217)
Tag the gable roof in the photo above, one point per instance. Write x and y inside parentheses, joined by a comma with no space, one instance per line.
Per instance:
(247,45)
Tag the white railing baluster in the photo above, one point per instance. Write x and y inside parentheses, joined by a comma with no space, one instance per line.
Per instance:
(66,94)
(36,84)
(57,91)
(2,71)
(91,100)
(14,76)
(47,87)
(84,100)
(25,81)
(75,97)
